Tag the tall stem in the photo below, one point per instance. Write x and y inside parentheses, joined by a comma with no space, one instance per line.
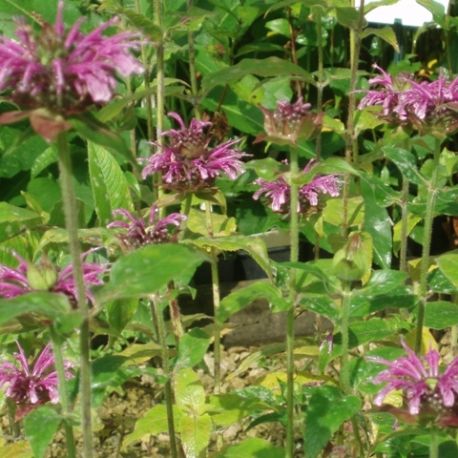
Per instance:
(160,93)
(294,257)
(404,224)
(216,299)
(63,393)
(157,316)
(71,224)
(351,150)
(427,235)
(344,327)
(434,445)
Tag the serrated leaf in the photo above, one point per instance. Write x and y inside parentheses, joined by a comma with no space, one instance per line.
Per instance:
(327,410)
(253,447)
(195,432)
(192,348)
(189,392)
(148,269)
(254,246)
(448,264)
(50,305)
(108,183)
(15,219)
(387,34)
(406,163)
(40,426)
(241,298)
(441,314)
(271,66)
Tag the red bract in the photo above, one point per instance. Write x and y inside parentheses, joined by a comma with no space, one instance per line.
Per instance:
(277,192)
(31,385)
(135,232)
(189,163)
(64,70)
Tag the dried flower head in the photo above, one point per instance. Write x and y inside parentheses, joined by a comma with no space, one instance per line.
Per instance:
(418,104)
(188,162)
(57,72)
(426,391)
(277,192)
(44,276)
(135,232)
(290,121)
(30,386)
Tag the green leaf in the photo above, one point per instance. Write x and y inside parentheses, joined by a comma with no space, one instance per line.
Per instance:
(331,165)
(40,426)
(378,224)
(50,305)
(143,23)
(189,391)
(15,219)
(385,33)
(153,422)
(441,314)
(195,432)
(148,269)
(108,183)
(406,163)
(254,246)
(271,66)
(327,410)
(253,447)
(448,264)
(192,348)
(241,298)
(348,17)
(120,312)
(20,449)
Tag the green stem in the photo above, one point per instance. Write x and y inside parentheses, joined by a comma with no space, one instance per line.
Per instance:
(404,224)
(160,93)
(425,255)
(344,327)
(15,429)
(71,224)
(216,300)
(434,445)
(294,257)
(192,71)
(157,316)
(63,393)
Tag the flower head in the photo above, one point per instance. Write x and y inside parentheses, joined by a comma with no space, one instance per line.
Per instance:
(290,121)
(425,389)
(188,162)
(135,232)
(420,104)
(277,192)
(31,385)
(44,276)
(64,70)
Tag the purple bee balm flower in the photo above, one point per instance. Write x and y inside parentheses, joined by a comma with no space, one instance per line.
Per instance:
(63,70)
(290,121)
(419,104)
(277,192)
(189,163)
(44,276)
(425,389)
(31,385)
(136,232)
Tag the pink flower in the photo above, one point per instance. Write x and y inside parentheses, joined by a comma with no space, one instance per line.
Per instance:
(31,385)
(419,104)
(64,70)
(290,121)
(419,379)
(189,163)
(277,192)
(136,232)
(44,276)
